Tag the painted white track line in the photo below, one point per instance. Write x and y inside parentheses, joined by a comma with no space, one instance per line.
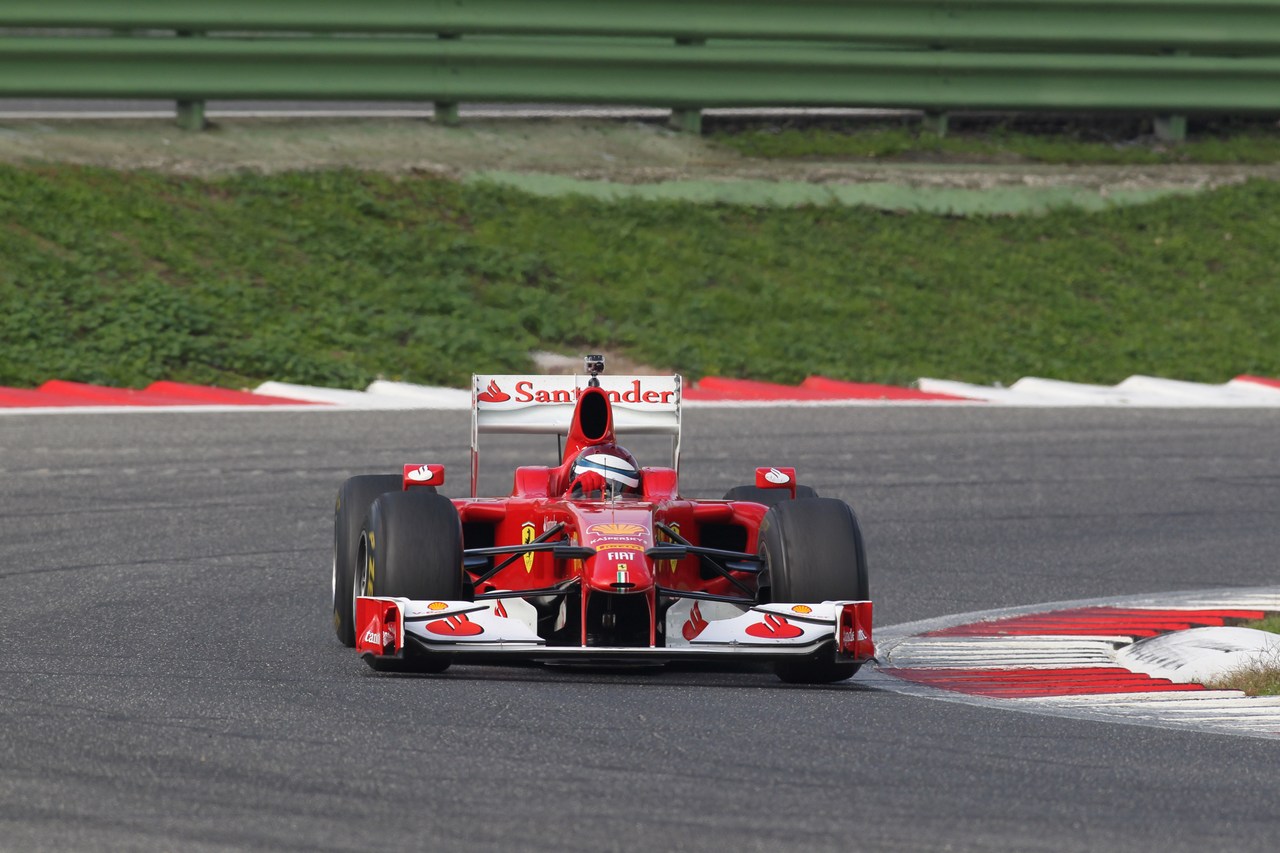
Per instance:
(903,647)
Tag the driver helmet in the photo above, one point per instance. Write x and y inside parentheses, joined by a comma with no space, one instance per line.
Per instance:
(604,472)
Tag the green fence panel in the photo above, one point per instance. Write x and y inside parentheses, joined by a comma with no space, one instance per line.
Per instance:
(588,71)
(1220,26)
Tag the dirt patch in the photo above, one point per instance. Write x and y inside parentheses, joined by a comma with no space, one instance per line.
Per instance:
(629,152)
(399,145)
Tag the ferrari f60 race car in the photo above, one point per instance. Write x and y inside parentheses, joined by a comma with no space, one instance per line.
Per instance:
(596,560)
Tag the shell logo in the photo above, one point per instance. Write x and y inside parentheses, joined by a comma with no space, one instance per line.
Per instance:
(437,605)
(802,609)
(616,529)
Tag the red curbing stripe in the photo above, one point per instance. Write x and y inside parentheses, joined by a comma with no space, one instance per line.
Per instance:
(1044,682)
(813,388)
(101,395)
(1076,630)
(61,393)
(1062,689)
(1067,690)
(212,395)
(1122,621)
(699,393)
(1014,684)
(1137,611)
(29,398)
(1055,682)
(943,673)
(872,391)
(748,389)
(1097,621)
(1260,380)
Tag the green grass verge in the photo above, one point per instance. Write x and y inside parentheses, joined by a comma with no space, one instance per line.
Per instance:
(999,145)
(1270,623)
(334,278)
(1261,679)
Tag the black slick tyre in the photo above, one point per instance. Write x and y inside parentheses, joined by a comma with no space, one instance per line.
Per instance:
(768,497)
(349,511)
(411,547)
(813,551)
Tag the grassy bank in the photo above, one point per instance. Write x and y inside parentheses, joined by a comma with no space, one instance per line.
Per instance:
(336,277)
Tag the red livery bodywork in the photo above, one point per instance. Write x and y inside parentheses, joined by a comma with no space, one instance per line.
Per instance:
(547,574)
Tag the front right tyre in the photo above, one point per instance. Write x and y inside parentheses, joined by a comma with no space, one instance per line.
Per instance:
(349,512)
(411,547)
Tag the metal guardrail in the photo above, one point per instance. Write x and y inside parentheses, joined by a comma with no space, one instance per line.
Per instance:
(1217,25)
(1151,56)
(661,74)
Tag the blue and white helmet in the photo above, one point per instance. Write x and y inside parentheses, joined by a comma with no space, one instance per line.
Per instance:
(605,471)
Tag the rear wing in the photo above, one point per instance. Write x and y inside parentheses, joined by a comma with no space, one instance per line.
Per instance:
(543,405)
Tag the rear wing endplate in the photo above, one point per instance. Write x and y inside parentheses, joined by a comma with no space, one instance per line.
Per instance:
(543,405)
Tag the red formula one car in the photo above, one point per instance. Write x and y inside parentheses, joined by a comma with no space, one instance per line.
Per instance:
(596,559)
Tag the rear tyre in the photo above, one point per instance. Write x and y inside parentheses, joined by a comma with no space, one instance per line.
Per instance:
(768,497)
(349,511)
(813,551)
(412,548)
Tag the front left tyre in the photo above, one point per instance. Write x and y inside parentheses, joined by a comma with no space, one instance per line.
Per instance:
(812,550)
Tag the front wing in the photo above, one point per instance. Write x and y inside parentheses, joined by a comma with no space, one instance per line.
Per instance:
(389,629)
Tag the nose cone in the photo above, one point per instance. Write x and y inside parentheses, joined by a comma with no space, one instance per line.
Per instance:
(620,537)
(619,570)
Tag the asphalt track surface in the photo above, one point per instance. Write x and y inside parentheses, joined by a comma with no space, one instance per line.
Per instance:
(171,679)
